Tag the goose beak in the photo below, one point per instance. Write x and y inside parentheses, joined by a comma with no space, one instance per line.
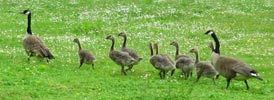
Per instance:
(259,78)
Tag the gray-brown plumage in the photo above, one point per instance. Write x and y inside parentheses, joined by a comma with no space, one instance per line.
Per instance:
(164,55)
(204,68)
(85,56)
(119,57)
(177,54)
(186,65)
(33,45)
(131,52)
(231,68)
(161,62)
(183,62)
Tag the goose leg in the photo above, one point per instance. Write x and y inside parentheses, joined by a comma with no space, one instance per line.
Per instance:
(164,74)
(129,68)
(123,70)
(81,62)
(247,87)
(228,81)
(160,74)
(186,74)
(172,72)
(217,76)
(92,65)
(182,71)
(214,80)
(199,74)
(28,59)
(29,56)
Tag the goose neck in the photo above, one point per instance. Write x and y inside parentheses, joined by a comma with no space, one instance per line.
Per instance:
(29,24)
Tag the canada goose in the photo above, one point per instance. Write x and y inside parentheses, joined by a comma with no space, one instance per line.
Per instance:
(161,62)
(33,45)
(183,62)
(177,55)
(119,57)
(85,56)
(164,55)
(230,68)
(186,65)
(131,52)
(203,68)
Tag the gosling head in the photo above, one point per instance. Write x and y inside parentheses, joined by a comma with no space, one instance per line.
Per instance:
(194,50)
(26,12)
(122,34)
(174,43)
(110,37)
(76,40)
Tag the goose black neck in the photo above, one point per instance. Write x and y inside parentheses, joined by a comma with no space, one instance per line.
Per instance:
(112,45)
(151,49)
(125,42)
(217,43)
(29,24)
(197,57)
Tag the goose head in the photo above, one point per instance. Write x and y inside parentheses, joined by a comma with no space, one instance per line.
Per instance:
(174,43)
(26,12)
(76,40)
(209,32)
(194,50)
(110,37)
(122,34)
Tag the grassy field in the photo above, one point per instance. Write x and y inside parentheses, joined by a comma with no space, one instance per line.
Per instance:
(245,29)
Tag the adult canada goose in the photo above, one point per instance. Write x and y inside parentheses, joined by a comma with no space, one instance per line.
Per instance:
(161,62)
(203,68)
(131,52)
(119,57)
(183,62)
(33,45)
(85,56)
(231,68)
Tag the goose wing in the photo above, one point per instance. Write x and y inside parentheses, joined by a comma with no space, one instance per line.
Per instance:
(242,68)
(87,54)
(167,58)
(120,55)
(34,44)
(185,56)
(131,52)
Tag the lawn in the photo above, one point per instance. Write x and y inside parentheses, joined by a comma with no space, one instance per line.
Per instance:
(245,29)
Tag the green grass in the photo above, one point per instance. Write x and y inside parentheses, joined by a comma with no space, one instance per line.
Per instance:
(245,30)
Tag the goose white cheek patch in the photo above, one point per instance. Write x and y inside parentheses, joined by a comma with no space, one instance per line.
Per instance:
(210,33)
(253,74)
(27,13)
